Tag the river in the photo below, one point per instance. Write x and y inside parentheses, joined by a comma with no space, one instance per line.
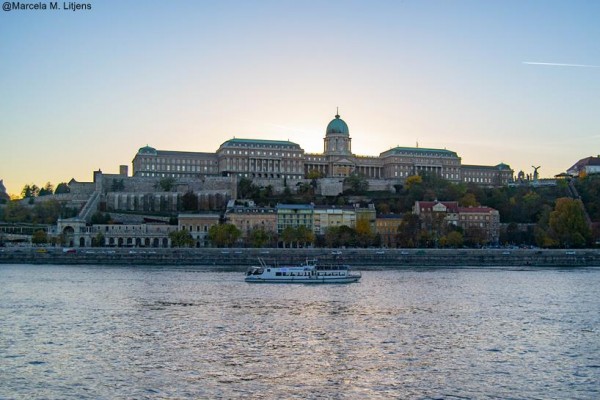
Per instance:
(101,332)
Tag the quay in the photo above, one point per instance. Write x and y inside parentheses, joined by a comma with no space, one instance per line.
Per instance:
(240,258)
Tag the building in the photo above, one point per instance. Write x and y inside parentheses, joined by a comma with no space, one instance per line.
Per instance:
(435,215)
(77,233)
(294,215)
(250,217)
(589,165)
(286,161)
(387,228)
(326,217)
(480,219)
(198,226)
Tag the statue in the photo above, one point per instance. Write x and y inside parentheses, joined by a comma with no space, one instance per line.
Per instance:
(535,172)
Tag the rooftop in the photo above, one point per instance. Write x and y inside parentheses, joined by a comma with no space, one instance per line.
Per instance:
(419,150)
(237,141)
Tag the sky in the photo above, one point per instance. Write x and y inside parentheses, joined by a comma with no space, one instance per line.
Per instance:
(495,81)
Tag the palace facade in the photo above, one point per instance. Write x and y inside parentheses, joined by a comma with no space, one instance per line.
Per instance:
(285,160)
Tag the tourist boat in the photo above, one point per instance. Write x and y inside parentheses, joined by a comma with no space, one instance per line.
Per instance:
(307,272)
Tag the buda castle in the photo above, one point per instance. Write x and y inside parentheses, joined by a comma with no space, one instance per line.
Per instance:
(277,161)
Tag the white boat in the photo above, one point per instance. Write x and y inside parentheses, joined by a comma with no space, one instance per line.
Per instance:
(308,272)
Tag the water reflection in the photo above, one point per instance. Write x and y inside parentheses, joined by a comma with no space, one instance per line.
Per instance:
(94,332)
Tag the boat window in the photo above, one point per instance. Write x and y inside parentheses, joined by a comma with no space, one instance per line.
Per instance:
(277,273)
(268,269)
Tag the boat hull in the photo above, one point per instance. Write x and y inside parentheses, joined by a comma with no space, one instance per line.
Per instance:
(305,280)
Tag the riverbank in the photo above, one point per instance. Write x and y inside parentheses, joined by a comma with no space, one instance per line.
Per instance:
(357,258)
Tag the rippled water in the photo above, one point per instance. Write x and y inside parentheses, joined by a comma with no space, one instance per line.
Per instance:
(109,332)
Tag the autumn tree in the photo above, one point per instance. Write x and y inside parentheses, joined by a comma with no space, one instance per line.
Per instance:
(568,223)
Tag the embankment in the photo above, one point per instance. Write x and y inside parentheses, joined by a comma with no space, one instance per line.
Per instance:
(358,258)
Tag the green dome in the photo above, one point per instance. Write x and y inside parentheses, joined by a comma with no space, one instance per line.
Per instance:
(338,126)
(147,150)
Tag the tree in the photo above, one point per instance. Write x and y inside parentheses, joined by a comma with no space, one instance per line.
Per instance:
(166,183)
(224,235)
(16,212)
(288,235)
(247,189)
(181,239)
(412,180)
(30,191)
(454,239)
(568,224)
(46,190)
(47,212)
(314,174)
(98,240)
(304,236)
(468,200)
(39,237)
(258,237)
(189,201)
(358,183)
(408,230)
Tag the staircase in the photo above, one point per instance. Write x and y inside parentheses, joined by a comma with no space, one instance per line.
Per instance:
(90,207)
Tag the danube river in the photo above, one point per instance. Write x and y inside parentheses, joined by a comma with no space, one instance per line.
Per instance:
(97,332)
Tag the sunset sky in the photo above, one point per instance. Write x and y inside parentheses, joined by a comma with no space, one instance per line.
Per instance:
(495,81)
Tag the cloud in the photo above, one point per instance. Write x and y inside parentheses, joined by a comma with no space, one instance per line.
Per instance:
(560,65)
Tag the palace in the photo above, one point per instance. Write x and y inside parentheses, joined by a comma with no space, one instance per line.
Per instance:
(285,160)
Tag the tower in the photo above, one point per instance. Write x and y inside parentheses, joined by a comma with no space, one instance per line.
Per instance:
(337,138)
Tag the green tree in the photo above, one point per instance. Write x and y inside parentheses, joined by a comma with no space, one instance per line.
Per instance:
(259,237)
(189,201)
(99,218)
(568,224)
(468,200)
(454,239)
(46,212)
(358,183)
(98,240)
(288,235)
(30,191)
(16,212)
(314,174)
(166,183)
(224,235)
(46,190)
(304,236)
(39,237)
(181,239)
(247,189)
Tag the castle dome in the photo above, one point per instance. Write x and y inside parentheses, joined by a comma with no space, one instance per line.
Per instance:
(147,150)
(337,126)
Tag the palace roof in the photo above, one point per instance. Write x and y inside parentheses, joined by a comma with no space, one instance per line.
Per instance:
(417,151)
(259,143)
